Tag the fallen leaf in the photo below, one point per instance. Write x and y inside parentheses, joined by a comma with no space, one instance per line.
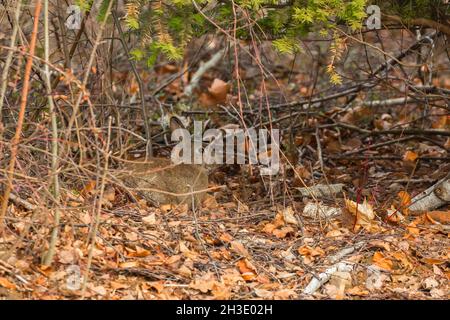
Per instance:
(364,215)
(129,264)
(439,216)
(288,216)
(381,261)
(226,237)
(5,283)
(150,220)
(219,90)
(283,232)
(410,156)
(247,270)
(405,202)
(239,248)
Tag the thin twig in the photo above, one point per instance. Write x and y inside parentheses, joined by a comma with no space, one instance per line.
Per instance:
(21,116)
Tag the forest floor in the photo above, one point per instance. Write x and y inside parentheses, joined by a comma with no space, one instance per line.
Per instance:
(260,237)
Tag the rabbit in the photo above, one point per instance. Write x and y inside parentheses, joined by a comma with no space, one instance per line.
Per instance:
(160,181)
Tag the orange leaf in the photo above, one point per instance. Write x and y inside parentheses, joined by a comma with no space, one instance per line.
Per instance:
(439,122)
(381,261)
(283,232)
(269,228)
(88,188)
(309,251)
(226,237)
(405,201)
(7,284)
(439,216)
(410,156)
(247,270)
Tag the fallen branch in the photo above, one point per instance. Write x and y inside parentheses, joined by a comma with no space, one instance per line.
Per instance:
(21,202)
(317,282)
(323,278)
(321,190)
(434,197)
(204,66)
(396,101)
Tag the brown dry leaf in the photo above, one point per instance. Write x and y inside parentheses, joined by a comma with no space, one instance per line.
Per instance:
(283,232)
(394,215)
(204,284)
(364,215)
(221,291)
(226,237)
(150,220)
(247,270)
(288,216)
(166,207)
(210,202)
(381,244)
(119,285)
(340,280)
(410,156)
(403,259)
(206,100)
(140,252)
(166,69)
(184,271)
(334,233)
(381,261)
(157,285)
(303,172)
(433,261)
(129,264)
(109,194)
(217,94)
(5,283)
(357,291)
(173,259)
(310,251)
(187,253)
(88,188)
(263,293)
(440,122)
(285,294)
(447,143)
(405,202)
(269,228)
(439,216)
(66,256)
(133,87)
(412,227)
(219,90)
(238,247)
(100,290)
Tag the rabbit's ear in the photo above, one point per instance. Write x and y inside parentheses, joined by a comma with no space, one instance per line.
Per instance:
(176,123)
